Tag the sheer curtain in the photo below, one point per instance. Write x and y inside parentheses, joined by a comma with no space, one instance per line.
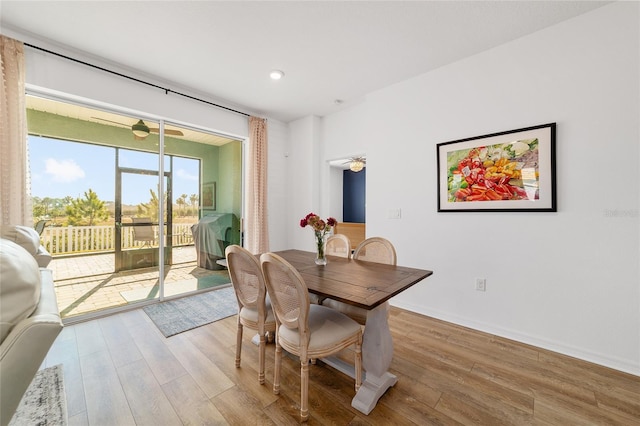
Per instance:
(256,226)
(15,202)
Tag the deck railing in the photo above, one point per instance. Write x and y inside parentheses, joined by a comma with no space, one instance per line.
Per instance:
(95,239)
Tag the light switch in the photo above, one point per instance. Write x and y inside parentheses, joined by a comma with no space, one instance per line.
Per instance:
(393,214)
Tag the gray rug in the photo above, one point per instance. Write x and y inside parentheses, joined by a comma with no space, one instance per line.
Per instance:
(44,403)
(176,316)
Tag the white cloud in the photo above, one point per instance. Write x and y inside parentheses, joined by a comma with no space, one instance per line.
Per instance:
(182,173)
(64,170)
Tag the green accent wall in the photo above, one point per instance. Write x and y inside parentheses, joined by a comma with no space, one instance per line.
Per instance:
(220,164)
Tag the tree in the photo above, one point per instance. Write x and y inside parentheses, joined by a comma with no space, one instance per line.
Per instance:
(181,201)
(194,199)
(151,208)
(87,211)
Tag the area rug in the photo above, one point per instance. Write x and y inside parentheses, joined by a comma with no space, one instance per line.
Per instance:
(44,403)
(176,316)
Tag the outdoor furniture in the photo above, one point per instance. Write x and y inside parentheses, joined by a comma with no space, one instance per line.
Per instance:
(143,231)
(39,226)
(212,235)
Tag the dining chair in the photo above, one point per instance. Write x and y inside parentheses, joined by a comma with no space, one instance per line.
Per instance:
(373,249)
(254,307)
(376,249)
(338,245)
(303,329)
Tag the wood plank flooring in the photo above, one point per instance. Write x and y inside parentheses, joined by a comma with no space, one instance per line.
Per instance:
(120,371)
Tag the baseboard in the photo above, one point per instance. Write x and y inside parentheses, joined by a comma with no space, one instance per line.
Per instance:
(550,345)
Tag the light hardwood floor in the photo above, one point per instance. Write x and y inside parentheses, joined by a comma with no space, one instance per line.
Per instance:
(120,370)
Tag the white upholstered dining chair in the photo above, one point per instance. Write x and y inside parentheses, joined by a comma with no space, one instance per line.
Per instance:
(254,307)
(338,245)
(374,249)
(305,330)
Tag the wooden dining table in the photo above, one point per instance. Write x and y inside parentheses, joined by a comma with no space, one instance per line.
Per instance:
(368,286)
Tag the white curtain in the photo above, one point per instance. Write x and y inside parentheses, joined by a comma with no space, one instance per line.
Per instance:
(15,200)
(256,226)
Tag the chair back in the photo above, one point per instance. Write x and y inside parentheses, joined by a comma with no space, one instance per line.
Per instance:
(39,227)
(288,292)
(338,245)
(376,249)
(142,232)
(247,278)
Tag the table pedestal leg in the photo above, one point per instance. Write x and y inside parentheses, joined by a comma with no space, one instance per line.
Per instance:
(377,352)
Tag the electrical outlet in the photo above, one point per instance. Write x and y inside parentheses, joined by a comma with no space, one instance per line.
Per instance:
(481,284)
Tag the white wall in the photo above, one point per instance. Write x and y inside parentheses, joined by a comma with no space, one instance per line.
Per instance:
(567,281)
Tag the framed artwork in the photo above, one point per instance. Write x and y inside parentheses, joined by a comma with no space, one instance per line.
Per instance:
(512,171)
(209,196)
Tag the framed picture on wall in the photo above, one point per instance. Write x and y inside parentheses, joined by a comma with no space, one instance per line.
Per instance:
(209,196)
(512,171)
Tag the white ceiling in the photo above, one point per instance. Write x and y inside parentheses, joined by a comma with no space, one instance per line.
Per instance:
(329,50)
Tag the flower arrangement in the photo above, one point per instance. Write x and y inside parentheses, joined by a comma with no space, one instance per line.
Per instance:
(320,228)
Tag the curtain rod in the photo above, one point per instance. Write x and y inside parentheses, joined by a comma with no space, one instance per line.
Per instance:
(136,80)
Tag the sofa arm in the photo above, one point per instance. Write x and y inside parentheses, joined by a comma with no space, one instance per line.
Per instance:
(25,347)
(43,257)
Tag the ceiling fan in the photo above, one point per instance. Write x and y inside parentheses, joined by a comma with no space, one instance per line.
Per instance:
(141,130)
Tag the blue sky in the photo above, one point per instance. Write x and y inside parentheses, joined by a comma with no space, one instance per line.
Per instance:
(61,168)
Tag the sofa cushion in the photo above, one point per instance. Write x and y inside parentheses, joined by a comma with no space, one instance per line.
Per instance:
(19,285)
(24,236)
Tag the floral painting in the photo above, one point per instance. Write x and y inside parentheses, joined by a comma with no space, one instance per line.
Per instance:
(502,171)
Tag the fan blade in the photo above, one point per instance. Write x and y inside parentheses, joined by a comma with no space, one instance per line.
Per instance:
(167,132)
(109,121)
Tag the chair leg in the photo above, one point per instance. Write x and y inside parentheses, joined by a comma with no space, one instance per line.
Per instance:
(238,343)
(261,351)
(358,363)
(276,369)
(304,389)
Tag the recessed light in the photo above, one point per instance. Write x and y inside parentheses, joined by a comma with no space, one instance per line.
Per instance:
(276,74)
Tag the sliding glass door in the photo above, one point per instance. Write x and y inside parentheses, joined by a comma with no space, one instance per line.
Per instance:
(122,227)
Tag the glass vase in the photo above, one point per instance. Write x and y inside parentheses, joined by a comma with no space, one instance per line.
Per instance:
(321,241)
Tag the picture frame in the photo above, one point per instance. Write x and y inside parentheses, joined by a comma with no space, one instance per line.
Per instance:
(511,171)
(208,196)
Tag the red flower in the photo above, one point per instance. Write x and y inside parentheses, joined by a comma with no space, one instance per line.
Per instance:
(318,225)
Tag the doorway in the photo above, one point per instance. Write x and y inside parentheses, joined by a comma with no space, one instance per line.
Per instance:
(137,233)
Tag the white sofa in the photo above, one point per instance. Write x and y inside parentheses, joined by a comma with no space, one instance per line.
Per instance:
(29,316)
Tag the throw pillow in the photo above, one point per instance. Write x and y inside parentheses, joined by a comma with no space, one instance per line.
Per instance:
(19,285)
(24,236)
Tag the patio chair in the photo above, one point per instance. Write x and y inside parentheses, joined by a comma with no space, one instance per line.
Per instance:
(39,226)
(143,231)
